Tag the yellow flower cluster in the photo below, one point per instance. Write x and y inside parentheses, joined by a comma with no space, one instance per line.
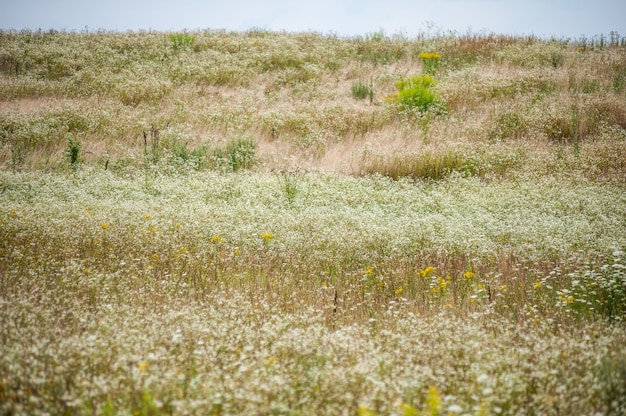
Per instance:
(427,271)
(430,55)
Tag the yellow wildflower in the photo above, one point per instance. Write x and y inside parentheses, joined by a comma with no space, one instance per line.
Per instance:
(468,275)
(443,283)
(537,284)
(105,226)
(430,55)
(427,271)
(142,366)
(216,239)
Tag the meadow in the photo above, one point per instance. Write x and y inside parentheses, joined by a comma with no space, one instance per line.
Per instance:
(226,223)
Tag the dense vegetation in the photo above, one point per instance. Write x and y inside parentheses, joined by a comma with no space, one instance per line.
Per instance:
(274,223)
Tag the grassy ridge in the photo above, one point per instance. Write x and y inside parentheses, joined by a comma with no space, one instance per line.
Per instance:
(222,223)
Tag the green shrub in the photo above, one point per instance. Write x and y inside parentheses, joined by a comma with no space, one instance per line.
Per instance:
(416,92)
(289,185)
(361,91)
(73,152)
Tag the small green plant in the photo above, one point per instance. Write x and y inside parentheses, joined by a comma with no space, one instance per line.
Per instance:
(416,92)
(238,154)
(361,90)
(182,40)
(430,62)
(73,152)
(289,185)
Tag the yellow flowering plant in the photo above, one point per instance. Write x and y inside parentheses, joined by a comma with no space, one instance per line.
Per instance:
(430,62)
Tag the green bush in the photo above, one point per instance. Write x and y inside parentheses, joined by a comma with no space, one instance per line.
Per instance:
(73,152)
(417,92)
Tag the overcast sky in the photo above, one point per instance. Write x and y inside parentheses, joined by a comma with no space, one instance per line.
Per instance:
(560,18)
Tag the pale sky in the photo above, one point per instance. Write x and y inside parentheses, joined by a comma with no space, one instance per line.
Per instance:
(559,18)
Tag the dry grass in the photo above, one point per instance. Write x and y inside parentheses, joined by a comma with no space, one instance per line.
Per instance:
(351,257)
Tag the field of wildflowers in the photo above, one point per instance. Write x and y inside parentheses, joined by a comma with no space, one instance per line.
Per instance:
(220,223)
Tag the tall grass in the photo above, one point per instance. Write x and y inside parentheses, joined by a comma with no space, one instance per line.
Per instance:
(242,236)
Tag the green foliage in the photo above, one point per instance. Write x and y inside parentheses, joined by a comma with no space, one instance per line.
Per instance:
(239,153)
(417,92)
(182,40)
(73,152)
(361,90)
(289,185)
(187,156)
